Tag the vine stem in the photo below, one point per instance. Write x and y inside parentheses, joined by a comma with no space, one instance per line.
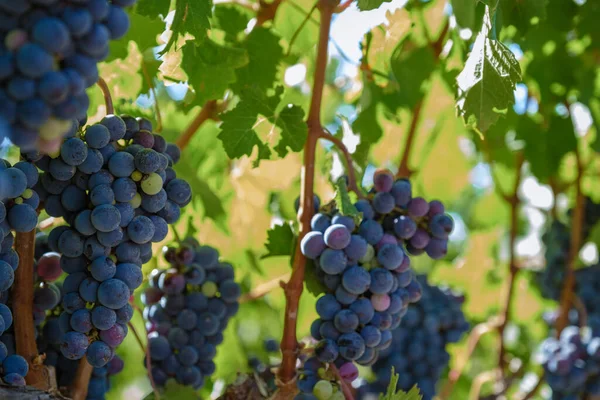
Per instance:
(514,204)
(207,112)
(24,327)
(480,380)
(567,293)
(110,109)
(263,289)
(404,171)
(472,341)
(293,288)
(79,387)
(352,185)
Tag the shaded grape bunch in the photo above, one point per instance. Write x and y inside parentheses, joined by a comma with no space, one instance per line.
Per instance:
(572,363)
(49,51)
(557,244)
(317,380)
(114,185)
(188,306)
(366,269)
(418,347)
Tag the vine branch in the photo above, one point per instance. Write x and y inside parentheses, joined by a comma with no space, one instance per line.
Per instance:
(472,341)
(293,288)
(352,185)
(22,295)
(514,203)
(567,294)
(110,109)
(262,290)
(404,171)
(208,111)
(79,387)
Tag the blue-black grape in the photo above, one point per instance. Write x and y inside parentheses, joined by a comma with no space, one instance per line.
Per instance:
(184,320)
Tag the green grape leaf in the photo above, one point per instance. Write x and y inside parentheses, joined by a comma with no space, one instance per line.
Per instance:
(521,13)
(191,16)
(280,241)
(412,67)
(265,53)
(486,84)
(152,8)
(311,281)
(238,132)
(343,202)
(365,5)
(594,106)
(464,11)
(293,129)
(143,30)
(231,20)
(546,147)
(366,124)
(211,67)
(393,393)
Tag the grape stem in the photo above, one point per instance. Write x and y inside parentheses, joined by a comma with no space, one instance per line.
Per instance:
(581,311)
(404,171)
(208,111)
(346,389)
(352,185)
(293,288)
(567,294)
(480,380)
(514,203)
(263,289)
(110,109)
(49,223)
(146,351)
(79,387)
(472,341)
(22,295)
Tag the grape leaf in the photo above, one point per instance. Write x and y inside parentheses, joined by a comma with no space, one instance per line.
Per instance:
(211,67)
(238,134)
(464,11)
(264,53)
(152,8)
(412,67)
(545,148)
(343,202)
(231,20)
(366,124)
(393,393)
(521,13)
(486,84)
(365,5)
(280,241)
(311,281)
(191,16)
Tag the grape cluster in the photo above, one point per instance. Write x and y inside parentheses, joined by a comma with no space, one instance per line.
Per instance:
(188,306)
(418,350)
(49,52)
(115,187)
(557,243)
(317,381)
(366,269)
(18,203)
(572,363)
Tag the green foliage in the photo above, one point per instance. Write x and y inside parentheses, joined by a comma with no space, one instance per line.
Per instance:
(343,203)
(280,241)
(486,84)
(394,394)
